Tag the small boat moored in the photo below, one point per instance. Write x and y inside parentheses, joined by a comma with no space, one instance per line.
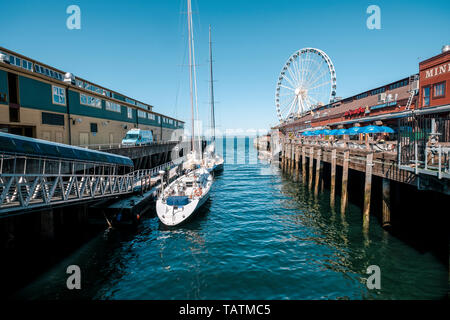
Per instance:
(183,197)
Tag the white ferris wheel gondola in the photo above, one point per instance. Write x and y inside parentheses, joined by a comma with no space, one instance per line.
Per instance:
(307,80)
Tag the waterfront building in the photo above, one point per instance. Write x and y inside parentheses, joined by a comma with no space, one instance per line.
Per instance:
(424,93)
(435,80)
(40,101)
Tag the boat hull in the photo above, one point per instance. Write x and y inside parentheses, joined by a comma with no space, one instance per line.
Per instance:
(166,216)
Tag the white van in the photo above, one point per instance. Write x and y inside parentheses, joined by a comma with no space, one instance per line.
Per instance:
(137,137)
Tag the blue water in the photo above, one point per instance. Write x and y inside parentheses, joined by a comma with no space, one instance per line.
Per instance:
(260,236)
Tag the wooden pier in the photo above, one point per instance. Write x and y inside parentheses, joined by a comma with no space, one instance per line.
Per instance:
(307,157)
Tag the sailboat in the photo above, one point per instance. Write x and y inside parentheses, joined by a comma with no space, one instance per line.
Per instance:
(184,196)
(212,161)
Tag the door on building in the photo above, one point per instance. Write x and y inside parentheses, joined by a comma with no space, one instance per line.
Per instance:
(111,138)
(13,91)
(46,135)
(84,138)
(59,137)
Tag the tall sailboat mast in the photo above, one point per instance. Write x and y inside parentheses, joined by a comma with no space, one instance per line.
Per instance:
(213,121)
(191,66)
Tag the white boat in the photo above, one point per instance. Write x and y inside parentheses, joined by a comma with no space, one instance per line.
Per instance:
(183,197)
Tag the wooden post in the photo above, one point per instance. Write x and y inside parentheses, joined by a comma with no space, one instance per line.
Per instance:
(367,191)
(386,202)
(304,164)
(311,164)
(333,177)
(297,162)
(283,157)
(289,164)
(316,189)
(290,157)
(344,194)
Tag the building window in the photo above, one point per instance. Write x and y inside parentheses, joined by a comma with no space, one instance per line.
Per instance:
(398,84)
(52,119)
(90,101)
(141,114)
(439,90)
(59,95)
(377,91)
(141,105)
(47,72)
(362,95)
(22,63)
(151,116)
(130,101)
(129,113)
(426,96)
(111,106)
(94,128)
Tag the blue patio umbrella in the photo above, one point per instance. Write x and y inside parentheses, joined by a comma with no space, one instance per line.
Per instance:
(370,129)
(306,133)
(386,129)
(317,132)
(354,130)
(326,132)
(341,132)
(333,132)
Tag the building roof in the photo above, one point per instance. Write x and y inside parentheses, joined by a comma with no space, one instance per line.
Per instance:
(19,145)
(137,104)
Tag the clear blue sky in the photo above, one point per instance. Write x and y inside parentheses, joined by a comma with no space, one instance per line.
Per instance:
(138,47)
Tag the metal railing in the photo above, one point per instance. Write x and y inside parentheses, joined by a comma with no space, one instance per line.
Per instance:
(20,192)
(109,146)
(424,145)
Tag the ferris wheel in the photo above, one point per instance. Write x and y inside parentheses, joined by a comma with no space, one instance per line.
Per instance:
(307,80)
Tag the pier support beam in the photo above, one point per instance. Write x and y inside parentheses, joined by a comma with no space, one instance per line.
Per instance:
(386,203)
(333,178)
(289,167)
(303,164)
(344,194)
(367,191)
(47,225)
(292,157)
(311,164)
(297,162)
(316,188)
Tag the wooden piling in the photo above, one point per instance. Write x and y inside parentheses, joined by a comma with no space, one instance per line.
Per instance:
(291,158)
(304,164)
(386,202)
(333,178)
(344,194)
(367,191)
(322,180)
(316,188)
(311,164)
